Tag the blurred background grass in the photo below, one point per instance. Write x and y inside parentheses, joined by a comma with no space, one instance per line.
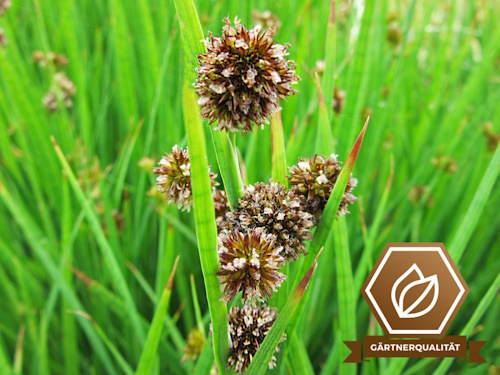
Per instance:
(427,74)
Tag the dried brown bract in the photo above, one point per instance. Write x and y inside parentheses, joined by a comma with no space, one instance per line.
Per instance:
(250,261)
(242,77)
(278,211)
(174,177)
(314,178)
(248,327)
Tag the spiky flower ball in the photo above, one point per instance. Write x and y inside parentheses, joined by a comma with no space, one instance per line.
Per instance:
(174,177)
(314,179)
(3,38)
(248,327)
(4,6)
(242,77)
(221,204)
(277,211)
(250,261)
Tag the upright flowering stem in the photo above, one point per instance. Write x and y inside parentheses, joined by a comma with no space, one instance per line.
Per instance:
(203,203)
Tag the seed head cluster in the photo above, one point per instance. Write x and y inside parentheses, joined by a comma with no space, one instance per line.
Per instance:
(174,177)
(248,327)
(64,88)
(314,179)
(242,77)
(4,6)
(278,211)
(250,261)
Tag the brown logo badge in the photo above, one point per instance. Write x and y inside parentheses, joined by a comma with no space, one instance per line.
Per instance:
(415,290)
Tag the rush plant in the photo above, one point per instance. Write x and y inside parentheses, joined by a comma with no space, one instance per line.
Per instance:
(174,199)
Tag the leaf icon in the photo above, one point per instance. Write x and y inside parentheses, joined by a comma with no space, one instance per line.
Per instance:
(430,283)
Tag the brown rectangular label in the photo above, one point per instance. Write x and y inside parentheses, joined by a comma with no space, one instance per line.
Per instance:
(449,346)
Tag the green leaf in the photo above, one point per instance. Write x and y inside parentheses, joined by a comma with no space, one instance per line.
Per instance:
(148,355)
(330,212)
(109,257)
(260,361)
(193,46)
(206,229)
(278,149)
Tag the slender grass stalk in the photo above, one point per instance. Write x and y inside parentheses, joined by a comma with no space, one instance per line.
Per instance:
(278,150)
(107,252)
(265,352)
(149,351)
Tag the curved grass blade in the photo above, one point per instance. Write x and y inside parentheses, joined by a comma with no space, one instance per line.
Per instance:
(206,229)
(117,276)
(148,355)
(329,214)
(464,231)
(263,356)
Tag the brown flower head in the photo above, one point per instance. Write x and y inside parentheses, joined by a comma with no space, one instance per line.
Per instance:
(338,100)
(248,327)
(63,90)
(266,20)
(314,179)
(174,177)
(221,204)
(278,211)
(242,77)
(4,6)
(57,59)
(250,261)
(3,38)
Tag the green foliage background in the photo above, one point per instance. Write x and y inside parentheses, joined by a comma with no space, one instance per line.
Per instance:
(78,293)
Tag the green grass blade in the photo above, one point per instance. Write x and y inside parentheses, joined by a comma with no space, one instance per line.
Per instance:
(278,149)
(116,273)
(206,229)
(463,232)
(148,355)
(263,356)
(345,289)
(324,140)
(228,166)
(226,156)
(329,214)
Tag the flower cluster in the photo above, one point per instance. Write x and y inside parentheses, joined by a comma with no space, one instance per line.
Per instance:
(43,59)
(4,6)
(314,179)
(250,261)
(62,91)
(174,177)
(242,77)
(248,327)
(240,81)
(276,210)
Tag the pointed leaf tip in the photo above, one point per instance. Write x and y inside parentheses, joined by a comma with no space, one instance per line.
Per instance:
(171,279)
